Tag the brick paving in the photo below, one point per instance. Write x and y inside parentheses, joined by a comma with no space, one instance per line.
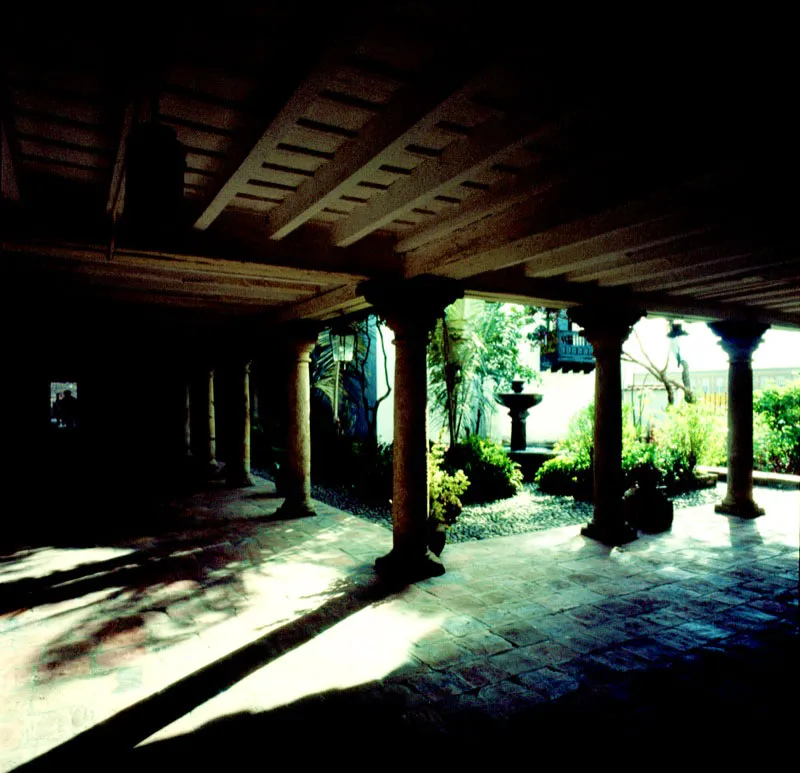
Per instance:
(225,630)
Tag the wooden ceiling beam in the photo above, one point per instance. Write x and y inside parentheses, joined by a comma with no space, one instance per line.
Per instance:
(753,263)
(522,187)
(557,293)
(202,282)
(696,260)
(386,133)
(600,250)
(341,300)
(289,101)
(179,263)
(560,247)
(459,161)
(759,296)
(621,263)
(722,288)
(135,280)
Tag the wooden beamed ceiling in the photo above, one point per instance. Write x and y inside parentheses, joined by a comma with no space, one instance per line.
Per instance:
(393,140)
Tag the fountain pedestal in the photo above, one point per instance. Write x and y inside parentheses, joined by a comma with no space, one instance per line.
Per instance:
(519,405)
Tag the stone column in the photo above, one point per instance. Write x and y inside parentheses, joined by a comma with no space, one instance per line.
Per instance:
(607,328)
(740,340)
(411,309)
(238,469)
(298,344)
(211,464)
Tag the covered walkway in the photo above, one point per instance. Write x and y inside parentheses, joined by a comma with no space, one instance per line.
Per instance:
(226,636)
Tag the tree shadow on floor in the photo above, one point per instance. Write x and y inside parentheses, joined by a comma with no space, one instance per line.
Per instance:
(119,734)
(691,704)
(179,565)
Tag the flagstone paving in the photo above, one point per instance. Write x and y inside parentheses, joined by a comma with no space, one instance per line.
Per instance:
(226,629)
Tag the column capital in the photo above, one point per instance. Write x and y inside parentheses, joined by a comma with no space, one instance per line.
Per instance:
(739,339)
(606,327)
(412,305)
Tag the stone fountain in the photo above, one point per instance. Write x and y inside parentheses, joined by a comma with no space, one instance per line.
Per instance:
(519,403)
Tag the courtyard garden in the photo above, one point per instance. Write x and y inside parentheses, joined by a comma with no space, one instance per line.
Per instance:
(476,489)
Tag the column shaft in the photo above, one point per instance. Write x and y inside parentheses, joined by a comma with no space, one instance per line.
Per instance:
(606,329)
(238,470)
(211,433)
(411,309)
(297,467)
(410,479)
(607,473)
(740,340)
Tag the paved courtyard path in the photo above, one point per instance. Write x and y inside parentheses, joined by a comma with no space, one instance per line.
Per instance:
(221,636)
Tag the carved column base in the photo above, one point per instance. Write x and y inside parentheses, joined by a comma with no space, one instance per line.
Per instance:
(744,508)
(292,508)
(611,534)
(398,567)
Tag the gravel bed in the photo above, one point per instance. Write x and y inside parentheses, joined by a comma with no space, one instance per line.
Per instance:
(530,510)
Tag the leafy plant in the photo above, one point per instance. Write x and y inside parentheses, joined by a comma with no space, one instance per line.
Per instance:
(444,488)
(565,475)
(777,429)
(491,471)
(688,436)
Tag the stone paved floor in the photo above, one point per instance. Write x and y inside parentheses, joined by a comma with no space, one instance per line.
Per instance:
(224,635)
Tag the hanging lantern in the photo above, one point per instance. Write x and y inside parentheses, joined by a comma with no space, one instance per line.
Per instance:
(342,340)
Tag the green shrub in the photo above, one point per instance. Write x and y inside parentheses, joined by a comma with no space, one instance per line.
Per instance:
(687,436)
(691,435)
(444,488)
(579,440)
(491,472)
(565,475)
(777,429)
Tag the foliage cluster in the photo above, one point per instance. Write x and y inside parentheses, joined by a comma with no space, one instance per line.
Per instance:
(687,437)
(444,488)
(491,472)
(777,429)
(475,343)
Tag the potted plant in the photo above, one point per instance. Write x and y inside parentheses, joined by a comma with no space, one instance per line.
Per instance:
(444,490)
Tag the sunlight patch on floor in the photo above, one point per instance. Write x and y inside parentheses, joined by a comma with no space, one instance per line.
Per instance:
(45,561)
(367,646)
